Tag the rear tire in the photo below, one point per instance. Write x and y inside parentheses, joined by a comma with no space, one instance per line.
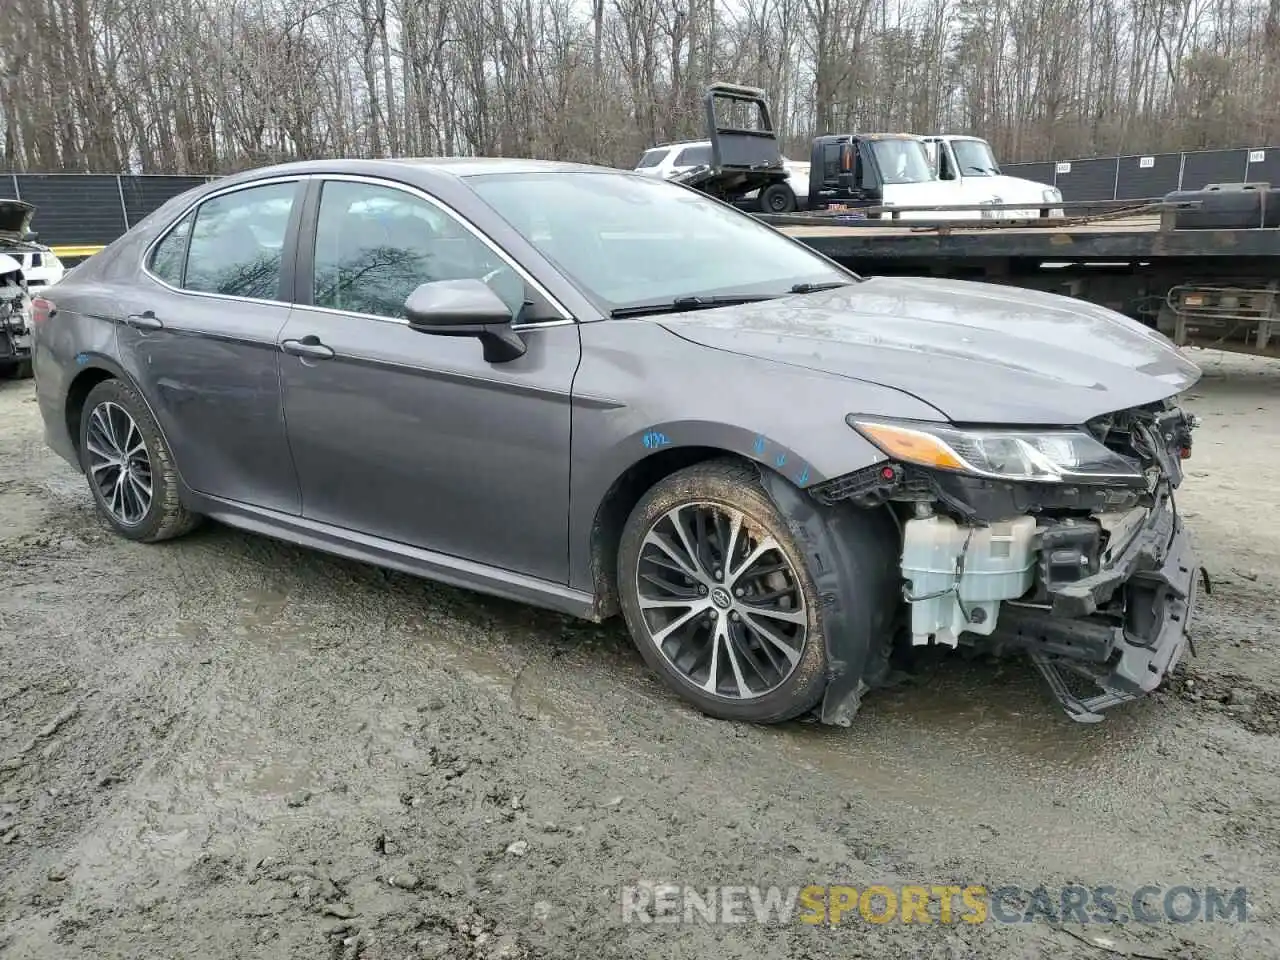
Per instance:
(129,466)
(778,198)
(748,644)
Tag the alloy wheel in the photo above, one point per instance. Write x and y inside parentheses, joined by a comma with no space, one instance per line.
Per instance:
(721,601)
(119,466)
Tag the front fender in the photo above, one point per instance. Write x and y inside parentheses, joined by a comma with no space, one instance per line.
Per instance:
(643,394)
(805,463)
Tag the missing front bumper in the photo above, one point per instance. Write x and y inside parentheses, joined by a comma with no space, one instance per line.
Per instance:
(1124,660)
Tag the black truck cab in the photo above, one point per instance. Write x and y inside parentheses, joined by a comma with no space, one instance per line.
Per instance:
(852,169)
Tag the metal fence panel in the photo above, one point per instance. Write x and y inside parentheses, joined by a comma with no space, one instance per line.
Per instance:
(1087,179)
(1039,172)
(1264,166)
(1204,167)
(144,195)
(73,208)
(1148,177)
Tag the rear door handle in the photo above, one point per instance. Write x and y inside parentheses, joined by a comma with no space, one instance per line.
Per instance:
(309,347)
(147,320)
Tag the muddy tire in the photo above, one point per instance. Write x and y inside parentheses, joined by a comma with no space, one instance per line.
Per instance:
(129,466)
(718,596)
(18,370)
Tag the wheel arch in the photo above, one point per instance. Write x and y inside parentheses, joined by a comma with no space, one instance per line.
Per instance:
(95,368)
(645,457)
(615,507)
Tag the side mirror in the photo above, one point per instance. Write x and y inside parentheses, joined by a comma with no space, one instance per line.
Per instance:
(30,236)
(465,308)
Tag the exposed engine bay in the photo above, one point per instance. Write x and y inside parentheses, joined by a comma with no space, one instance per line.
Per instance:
(15,314)
(1082,561)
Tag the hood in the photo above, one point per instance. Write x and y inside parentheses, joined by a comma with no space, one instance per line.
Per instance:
(15,219)
(1016,189)
(931,193)
(976,352)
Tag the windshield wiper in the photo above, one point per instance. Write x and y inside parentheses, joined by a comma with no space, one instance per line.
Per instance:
(681,304)
(815,287)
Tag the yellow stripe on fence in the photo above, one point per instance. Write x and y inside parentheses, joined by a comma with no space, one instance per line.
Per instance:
(72,253)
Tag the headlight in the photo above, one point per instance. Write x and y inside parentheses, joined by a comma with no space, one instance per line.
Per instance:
(1044,456)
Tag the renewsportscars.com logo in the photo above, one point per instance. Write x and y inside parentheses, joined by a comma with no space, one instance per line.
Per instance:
(832,905)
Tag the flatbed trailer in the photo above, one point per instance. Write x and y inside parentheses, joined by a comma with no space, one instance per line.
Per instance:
(1201,287)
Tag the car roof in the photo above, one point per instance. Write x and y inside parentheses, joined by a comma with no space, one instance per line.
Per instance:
(451,167)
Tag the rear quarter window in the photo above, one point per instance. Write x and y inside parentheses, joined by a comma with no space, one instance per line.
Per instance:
(693,157)
(651,158)
(168,256)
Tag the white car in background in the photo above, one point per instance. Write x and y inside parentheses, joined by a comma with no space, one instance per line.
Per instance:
(671,159)
(40,266)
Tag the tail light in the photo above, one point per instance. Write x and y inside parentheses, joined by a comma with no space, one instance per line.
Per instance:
(41,310)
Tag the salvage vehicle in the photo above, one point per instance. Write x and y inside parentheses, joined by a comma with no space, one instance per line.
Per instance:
(25,266)
(40,265)
(600,392)
(15,320)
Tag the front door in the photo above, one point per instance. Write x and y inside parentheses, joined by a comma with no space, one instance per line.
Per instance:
(198,335)
(412,437)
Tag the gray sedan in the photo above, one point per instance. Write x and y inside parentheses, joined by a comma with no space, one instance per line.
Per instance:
(600,393)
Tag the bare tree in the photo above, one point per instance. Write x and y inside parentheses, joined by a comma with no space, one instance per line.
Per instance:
(209,86)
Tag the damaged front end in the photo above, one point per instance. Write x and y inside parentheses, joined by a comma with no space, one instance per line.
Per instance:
(1063,543)
(15,313)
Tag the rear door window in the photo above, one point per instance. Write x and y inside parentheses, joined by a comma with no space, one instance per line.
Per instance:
(237,242)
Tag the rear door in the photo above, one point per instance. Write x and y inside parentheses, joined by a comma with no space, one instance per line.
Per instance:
(197,332)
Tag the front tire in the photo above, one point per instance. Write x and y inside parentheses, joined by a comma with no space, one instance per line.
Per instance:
(129,466)
(718,597)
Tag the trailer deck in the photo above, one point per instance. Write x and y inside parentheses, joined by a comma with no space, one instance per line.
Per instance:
(1131,239)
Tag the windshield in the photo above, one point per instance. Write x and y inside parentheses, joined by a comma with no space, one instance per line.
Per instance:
(626,240)
(902,161)
(975,158)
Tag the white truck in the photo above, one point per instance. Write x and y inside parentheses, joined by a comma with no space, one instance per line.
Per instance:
(969,165)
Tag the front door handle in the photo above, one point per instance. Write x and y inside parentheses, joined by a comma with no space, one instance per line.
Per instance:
(147,320)
(309,347)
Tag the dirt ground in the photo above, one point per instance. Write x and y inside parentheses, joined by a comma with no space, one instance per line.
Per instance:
(228,747)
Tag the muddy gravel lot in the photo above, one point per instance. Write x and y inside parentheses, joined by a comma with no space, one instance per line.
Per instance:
(227,747)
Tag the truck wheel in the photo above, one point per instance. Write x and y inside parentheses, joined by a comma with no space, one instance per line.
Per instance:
(778,198)
(129,466)
(719,597)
